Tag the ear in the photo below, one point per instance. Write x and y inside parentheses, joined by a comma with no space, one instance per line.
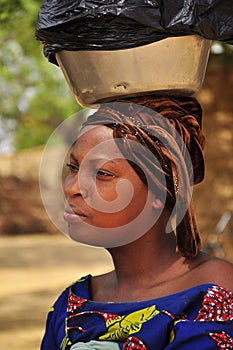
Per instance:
(157,203)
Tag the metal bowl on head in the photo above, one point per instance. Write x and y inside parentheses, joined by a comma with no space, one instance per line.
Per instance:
(173,66)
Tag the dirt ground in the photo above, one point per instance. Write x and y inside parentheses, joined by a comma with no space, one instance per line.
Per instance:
(36,262)
(34,269)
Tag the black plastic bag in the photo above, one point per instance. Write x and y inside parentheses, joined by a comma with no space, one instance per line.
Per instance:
(113,25)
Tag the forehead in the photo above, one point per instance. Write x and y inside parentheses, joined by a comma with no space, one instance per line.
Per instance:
(95,142)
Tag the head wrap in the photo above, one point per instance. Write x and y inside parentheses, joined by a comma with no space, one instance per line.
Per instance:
(171,129)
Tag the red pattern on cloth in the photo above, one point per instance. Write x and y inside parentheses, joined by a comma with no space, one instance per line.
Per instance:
(79,328)
(223,340)
(168,314)
(217,305)
(108,316)
(74,302)
(133,343)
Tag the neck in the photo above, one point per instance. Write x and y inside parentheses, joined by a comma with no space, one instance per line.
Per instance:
(146,258)
(145,268)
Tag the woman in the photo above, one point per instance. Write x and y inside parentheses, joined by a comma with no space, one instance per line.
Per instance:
(128,189)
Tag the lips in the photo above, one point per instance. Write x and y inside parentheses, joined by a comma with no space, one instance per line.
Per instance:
(72,216)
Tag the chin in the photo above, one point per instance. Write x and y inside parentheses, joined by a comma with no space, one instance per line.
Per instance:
(86,234)
(102,237)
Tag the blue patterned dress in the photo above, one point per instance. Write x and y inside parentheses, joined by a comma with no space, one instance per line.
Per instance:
(199,318)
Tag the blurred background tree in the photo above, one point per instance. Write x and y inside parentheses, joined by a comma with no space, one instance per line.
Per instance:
(34,95)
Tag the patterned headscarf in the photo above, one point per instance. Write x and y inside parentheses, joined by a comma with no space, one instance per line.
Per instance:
(170,128)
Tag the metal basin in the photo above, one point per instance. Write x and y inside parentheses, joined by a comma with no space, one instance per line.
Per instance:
(173,66)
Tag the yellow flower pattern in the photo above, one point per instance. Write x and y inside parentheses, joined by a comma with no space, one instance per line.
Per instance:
(123,326)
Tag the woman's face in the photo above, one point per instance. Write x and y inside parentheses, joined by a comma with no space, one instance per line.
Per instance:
(102,190)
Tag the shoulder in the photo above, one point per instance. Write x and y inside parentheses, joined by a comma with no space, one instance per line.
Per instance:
(216,271)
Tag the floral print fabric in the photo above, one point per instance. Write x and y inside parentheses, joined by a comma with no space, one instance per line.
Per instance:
(199,318)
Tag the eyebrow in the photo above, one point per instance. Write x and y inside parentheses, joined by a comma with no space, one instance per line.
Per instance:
(106,160)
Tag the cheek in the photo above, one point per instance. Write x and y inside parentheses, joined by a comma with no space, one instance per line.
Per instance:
(67,184)
(111,198)
(105,191)
(139,200)
(119,191)
(128,206)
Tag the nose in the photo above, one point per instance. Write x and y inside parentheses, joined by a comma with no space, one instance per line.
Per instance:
(74,186)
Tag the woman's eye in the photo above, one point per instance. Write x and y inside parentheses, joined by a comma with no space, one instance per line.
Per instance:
(104,174)
(73,168)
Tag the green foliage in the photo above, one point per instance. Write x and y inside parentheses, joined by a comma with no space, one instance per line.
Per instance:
(33,92)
